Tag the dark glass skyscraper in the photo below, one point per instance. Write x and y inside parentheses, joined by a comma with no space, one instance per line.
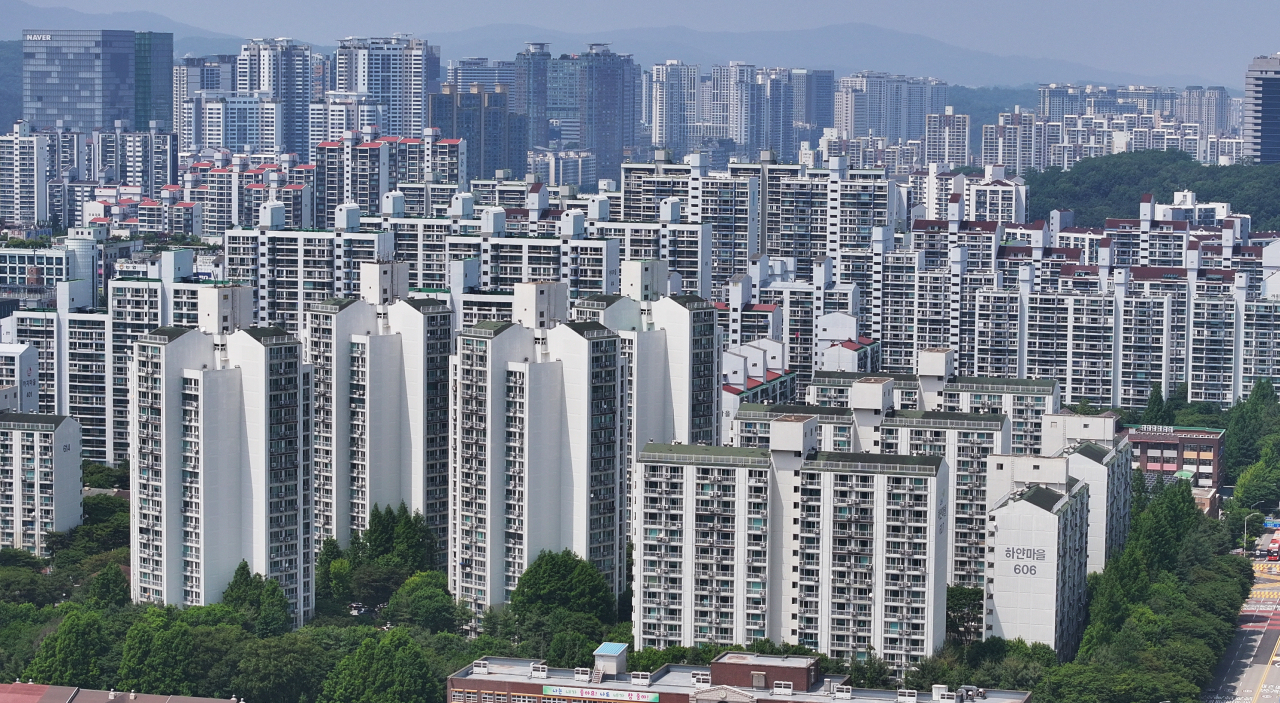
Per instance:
(152,80)
(89,78)
(497,138)
(1260,123)
(529,94)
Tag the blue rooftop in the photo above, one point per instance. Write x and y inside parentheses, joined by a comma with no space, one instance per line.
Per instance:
(611,648)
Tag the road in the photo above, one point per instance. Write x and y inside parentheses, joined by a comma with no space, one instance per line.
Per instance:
(1245,674)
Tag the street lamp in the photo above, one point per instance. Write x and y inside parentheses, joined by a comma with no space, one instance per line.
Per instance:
(1244,537)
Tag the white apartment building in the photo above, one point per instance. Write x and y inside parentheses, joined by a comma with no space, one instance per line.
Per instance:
(937,387)
(583,248)
(669,359)
(752,373)
(39,479)
(536,447)
(946,138)
(1038,553)
(24,170)
(674,92)
(220,464)
(837,551)
(1108,472)
(810,310)
(396,71)
(876,426)
(70,343)
(290,269)
(246,121)
(19,377)
(381,365)
(730,204)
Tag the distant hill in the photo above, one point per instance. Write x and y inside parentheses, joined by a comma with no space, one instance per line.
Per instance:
(984,105)
(19,15)
(843,47)
(1110,186)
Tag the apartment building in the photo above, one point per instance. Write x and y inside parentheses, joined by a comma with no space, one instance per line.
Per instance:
(730,204)
(510,245)
(24,168)
(220,464)
(290,269)
(832,550)
(1106,470)
(501,448)
(946,138)
(380,364)
(753,373)
(1039,551)
(70,344)
(39,474)
(669,361)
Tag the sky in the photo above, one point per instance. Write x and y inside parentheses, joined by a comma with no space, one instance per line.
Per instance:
(1211,39)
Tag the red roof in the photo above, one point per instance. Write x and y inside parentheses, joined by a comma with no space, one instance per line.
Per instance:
(1156,273)
(1074,270)
(450,141)
(730,388)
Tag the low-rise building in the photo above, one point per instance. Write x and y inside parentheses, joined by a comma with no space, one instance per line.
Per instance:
(1165,454)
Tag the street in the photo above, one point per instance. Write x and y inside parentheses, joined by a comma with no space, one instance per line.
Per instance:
(1246,674)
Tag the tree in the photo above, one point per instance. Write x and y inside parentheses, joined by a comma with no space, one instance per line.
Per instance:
(329,551)
(22,585)
(1260,482)
(570,649)
(20,558)
(1156,412)
(374,581)
(73,654)
(413,544)
(273,611)
(340,580)
(284,669)
(424,600)
(245,590)
(391,669)
(101,508)
(158,656)
(108,588)
(964,613)
(1248,423)
(563,580)
(95,475)
(381,533)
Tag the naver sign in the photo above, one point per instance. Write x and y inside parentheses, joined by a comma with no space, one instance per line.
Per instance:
(39,37)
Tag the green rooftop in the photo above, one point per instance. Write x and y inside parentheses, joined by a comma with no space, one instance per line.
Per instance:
(1041,384)
(170,333)
(815,410)
(1093,451)
(679,453)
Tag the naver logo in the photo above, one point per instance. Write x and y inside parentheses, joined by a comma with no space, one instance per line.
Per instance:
(39,37)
